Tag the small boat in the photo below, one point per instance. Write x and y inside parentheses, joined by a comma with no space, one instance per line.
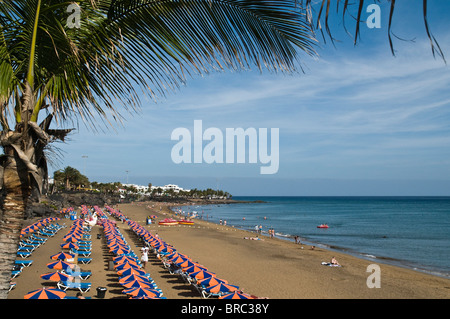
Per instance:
(168,222)
(185,222)
(322,226)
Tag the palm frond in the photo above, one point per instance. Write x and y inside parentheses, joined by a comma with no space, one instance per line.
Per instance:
(309,5)
(128,47)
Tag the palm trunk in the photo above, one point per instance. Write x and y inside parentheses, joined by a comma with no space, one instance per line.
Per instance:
(16,185)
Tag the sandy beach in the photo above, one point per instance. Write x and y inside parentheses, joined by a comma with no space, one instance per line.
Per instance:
(272,268)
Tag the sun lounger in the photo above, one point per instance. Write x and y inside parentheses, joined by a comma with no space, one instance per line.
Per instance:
(81,286)
(84,253)
(24,254)
(44,233)
(84,260)
(23,263)
(16,271)
(12,285)
(26,248)
(206,294)
(36,239)
(186,278)
(84,246)
(29,243)
(80,274)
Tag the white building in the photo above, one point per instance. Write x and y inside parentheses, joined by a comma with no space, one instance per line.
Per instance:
(144,189)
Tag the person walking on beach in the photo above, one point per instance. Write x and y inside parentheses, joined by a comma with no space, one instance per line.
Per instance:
(144,256)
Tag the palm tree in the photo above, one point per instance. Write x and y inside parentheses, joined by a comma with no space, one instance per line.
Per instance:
(64,72)
(70,176)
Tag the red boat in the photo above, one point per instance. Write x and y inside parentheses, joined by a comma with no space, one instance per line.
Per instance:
(323,226)
(168,222)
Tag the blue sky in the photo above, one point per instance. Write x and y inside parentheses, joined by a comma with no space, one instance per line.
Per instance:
(358,121)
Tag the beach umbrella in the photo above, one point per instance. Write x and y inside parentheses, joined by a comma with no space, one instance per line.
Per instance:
(178,260)
(222,287)
(202,274)
(130,271)
(144,297)
(194,268)
(236,295)
(137,283)
(60,264)
(71,238)
(56,276)
(62,256)
(166,249)
(125,259)
(141,292)
(176,254)
(187,263)
(70,246)
(126,265)
(120,251)
(46,293)
(125,262)
(211,281)
(132,277)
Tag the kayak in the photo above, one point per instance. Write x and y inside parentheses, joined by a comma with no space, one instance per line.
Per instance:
(323,226)
(185,222)
(168,222)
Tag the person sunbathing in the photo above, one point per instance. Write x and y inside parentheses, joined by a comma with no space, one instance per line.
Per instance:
(334,262)
(253,238)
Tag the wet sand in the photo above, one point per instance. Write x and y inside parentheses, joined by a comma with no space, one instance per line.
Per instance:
(272,268)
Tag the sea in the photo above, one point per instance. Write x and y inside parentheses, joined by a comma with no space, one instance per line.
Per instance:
(411,232)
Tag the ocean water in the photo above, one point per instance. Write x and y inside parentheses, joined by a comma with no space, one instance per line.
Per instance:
(412,232)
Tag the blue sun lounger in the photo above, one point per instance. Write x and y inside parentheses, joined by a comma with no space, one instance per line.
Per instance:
(23,243)
(84,260)
(23,263)
(45,233)
(24,254)
(80,274)
(29,249)
(84,253)
(81,286)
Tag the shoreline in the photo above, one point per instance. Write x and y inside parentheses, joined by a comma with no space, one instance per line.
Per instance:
(430,270)
(415,275)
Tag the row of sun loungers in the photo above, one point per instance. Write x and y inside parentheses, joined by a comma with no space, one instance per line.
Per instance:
(78,241)
(31,238)
(202,280)
(205,282)
(67,274)
(135,280)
